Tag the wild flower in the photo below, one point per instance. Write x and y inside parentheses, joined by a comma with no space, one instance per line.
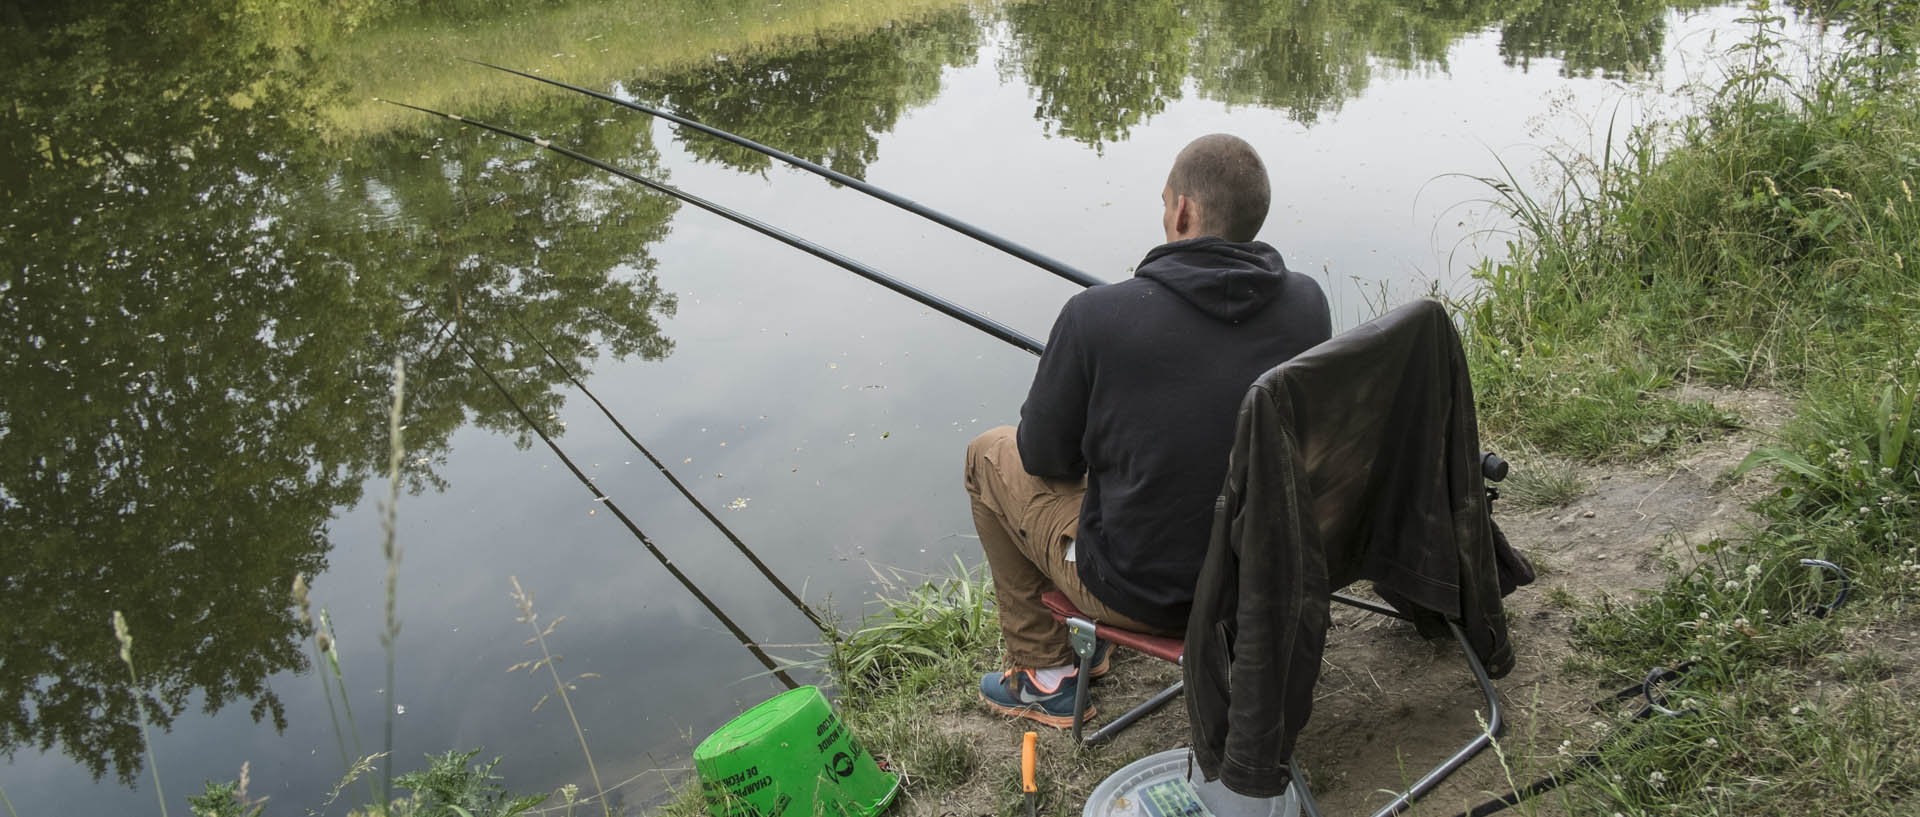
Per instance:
(300,599)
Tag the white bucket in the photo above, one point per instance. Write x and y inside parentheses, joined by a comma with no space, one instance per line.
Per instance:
(1149,787)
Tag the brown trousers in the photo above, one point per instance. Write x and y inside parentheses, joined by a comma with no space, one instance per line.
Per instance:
(1025,524)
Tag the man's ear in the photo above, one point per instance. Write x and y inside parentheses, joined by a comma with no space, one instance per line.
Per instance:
(1183,215)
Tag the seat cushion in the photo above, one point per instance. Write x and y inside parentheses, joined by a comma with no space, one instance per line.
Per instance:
(1159,646)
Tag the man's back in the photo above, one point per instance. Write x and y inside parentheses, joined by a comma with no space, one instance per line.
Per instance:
(1138,390)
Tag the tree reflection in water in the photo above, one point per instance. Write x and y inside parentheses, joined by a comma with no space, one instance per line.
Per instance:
(824,100)
(1100,67)
(200,305)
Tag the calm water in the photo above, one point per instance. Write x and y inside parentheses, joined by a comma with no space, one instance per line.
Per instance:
(215,249)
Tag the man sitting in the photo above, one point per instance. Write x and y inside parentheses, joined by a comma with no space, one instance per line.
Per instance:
(1106,490)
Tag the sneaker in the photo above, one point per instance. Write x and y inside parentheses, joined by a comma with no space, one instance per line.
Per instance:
(1100,663)
(1017,693)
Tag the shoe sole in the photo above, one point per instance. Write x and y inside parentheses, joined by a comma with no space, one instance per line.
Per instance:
(1036,714)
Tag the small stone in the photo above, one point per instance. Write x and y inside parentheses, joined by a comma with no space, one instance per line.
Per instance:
(1586,515)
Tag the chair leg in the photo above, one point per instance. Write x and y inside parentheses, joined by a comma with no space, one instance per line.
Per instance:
(1308,806)
(1084,638)
(1494,724)
(1152,705)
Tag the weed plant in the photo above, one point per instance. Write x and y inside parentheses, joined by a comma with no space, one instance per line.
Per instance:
(918,635)
(523,600)
(1765,242)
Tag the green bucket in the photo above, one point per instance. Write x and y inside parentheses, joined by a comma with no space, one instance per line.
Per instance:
(790,757)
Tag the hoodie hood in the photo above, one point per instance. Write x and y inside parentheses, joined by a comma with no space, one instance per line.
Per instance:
(1228,280)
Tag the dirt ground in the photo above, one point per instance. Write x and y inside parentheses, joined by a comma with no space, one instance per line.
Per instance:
(1390,704)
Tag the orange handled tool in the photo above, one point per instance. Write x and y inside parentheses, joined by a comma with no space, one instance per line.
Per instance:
(1028,753)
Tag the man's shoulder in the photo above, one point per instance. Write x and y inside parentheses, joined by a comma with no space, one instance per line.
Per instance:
(1106,295)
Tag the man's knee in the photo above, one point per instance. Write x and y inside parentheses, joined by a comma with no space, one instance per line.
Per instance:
(978,461)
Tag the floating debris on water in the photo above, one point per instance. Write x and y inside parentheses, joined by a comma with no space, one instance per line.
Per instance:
(738,503)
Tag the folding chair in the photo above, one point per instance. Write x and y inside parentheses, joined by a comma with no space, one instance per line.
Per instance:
(1084,635)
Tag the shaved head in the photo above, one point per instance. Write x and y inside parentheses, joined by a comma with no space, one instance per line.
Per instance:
(1223,175)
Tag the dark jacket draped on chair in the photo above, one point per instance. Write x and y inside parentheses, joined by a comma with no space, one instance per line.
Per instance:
(1359,459)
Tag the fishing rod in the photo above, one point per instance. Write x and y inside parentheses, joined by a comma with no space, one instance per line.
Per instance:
(682,488)
(603,499)
(1056,267)
(948,308)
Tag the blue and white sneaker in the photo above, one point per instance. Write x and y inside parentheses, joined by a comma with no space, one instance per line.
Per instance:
(1019,693)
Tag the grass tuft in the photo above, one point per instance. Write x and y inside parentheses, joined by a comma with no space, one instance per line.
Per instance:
(918,635)
(1542,483)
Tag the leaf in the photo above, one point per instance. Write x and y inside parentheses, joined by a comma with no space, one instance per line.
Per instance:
(1778,457)
(1895,428)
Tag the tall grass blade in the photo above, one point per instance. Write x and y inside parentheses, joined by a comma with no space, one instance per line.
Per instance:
(125,637)
(389,526)
(524,600)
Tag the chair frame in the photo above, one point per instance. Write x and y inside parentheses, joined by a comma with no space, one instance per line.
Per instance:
(1085,635)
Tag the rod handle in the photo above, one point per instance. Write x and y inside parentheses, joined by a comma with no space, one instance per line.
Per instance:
(1028,751)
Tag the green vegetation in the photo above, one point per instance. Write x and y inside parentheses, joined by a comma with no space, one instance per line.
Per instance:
(1764,242)
(916,636)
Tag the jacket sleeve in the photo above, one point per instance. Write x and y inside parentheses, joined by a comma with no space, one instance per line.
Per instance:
(1267,592)
(1054,419)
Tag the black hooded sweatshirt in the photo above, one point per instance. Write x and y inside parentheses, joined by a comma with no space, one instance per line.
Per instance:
(1138,389)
